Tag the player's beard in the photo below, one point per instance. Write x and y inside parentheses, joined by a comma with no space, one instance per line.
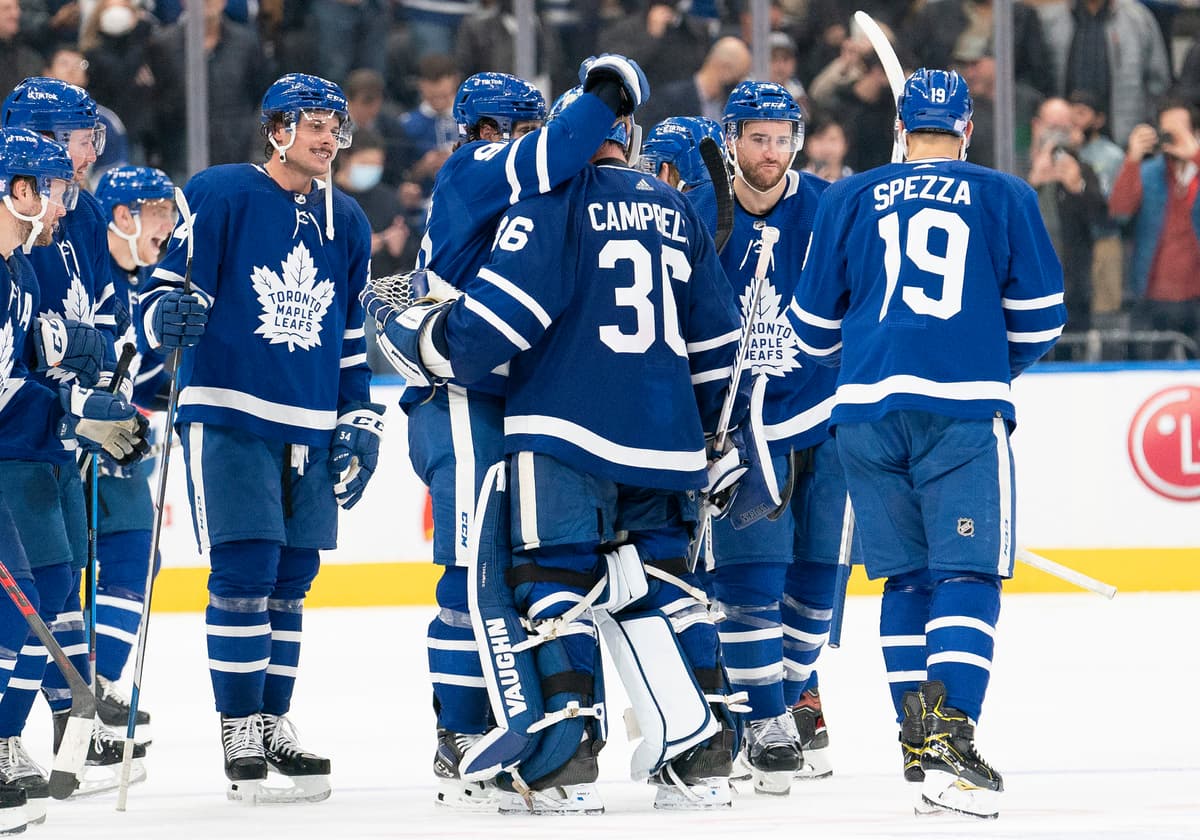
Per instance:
(763,179)
(46,236)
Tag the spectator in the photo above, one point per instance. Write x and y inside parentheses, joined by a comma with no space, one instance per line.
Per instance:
(825,148)
(47,23)
(668,45)
(68,64)
(348,34)
(946,26)
(1113,50)
(783,67)
(704,94)
(1105,158)
(429,132)
(433,24)
(18,60)
(115,39)
(238,73)
(369,109)
(977,65)
(486,41)
(855,88)
(1071,202)
(1155,192)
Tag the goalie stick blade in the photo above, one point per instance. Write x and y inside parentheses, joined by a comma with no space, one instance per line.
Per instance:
(714,162)
(67,770)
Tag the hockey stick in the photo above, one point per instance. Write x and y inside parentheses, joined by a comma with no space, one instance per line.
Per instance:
(843,576)
(770,236)
(891,68)
(172,365)
(1066,573)
(714,162)
(73,750)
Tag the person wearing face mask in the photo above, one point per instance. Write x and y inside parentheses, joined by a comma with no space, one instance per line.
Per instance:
(358,173)
(1155,193)
(115,40)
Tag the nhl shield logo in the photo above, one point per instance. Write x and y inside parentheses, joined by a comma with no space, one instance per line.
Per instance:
(966,527)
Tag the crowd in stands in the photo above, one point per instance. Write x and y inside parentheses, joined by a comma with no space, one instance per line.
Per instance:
(1106,121)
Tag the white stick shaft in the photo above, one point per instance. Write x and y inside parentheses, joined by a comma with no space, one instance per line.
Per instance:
(891,68)
(1062,572)
(126,765)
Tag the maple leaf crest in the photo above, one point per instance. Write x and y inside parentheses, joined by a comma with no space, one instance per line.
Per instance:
(772,348)
(6,356)
(77,306)
(293,302)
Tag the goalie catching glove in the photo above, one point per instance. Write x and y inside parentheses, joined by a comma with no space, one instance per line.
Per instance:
(406,324)
(354,454)
(100,420)
(635,89)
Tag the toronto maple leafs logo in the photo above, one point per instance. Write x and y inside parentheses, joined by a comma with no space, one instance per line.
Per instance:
(293,302)
(772,349)
(77,306)
(6,356)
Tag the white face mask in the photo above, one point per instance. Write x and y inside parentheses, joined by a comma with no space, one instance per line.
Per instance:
(363,176)
(117,20)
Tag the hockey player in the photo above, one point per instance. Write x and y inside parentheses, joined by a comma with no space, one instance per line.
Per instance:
(774,579)
(74,284)
(139,203)
(37,186)
(275,415)
(940,280)
(610,285)
(671,151)
(504,155)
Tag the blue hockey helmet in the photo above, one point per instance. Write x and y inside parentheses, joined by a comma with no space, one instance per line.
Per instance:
(27,153)
(500,97)
(296,94)
(55,107)
(753,100)
(676,140)
(132,185)
(935,100)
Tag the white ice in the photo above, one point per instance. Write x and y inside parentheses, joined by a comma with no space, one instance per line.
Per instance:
(1091,717)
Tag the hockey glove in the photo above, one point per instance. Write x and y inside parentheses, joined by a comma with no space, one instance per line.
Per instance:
(757,493)
(176,320)
(355,451)
(410,342)
(70,346)
(635,89)
(99,420)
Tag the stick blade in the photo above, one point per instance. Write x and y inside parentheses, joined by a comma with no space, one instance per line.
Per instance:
(72,753)
(714,162)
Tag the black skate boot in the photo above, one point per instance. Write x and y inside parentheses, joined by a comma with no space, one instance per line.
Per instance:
(245,761)
(814,737)
(105,749)
(956,776)
(452,791)
(22,781)
(773,753)
(912,737)
(699,778)
(571,789)
(112,706)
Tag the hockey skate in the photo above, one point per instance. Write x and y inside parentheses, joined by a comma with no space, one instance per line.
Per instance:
(452,791)
(698,779)
(268,742)
(814,738)
(912,744)
(956,776)
(570,790)
(20,772)
(112,706)
(773,753)
(101,770)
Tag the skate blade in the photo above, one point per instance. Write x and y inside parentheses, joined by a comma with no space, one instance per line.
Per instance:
(706,796)
(102,778)
(258,792)
(458,795)
(774,783)
(14,820)
(573,800)
(741,770)
(943,792)
(816,766)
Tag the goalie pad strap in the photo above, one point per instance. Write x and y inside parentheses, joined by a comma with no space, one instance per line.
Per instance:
(533,573)
(676,566)
(710,679)
(571,682)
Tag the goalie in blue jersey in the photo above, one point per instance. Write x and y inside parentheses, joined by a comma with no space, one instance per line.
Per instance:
(933,283)
(606,299)
(261,293)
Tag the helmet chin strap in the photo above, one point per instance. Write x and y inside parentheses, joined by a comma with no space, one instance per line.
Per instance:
(131,239)
(283,150)
(38,227)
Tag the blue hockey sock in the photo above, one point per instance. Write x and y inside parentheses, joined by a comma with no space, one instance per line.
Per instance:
(68,631)
(902,616)
(459,692)
(297,569)
(807,612)
(752,633)
(960,637)
(238,624)
(49,592)
(14,629)
(120,592)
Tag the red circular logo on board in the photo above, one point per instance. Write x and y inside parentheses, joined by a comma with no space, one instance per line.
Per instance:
(1164,443)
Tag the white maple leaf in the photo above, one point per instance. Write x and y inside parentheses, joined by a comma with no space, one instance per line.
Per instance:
(6,356)
(293,302)
(772,348)
(77,306)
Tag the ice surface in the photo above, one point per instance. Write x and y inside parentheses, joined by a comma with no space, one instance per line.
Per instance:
(1091,717)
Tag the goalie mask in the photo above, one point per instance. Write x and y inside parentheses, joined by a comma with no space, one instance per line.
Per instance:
(138,188)
(27,153)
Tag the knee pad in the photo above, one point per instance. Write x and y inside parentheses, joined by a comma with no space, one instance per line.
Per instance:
(297,570)
(245,569)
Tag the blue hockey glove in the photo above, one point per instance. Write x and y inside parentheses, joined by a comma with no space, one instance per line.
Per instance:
(71,346)
(355,451)
(407,340)
(177,320)
(634,85)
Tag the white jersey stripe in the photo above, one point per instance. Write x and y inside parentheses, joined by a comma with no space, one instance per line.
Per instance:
(543,164)
(572,433)
(1032,303)
(516,293)
(498,324)
(866,393)
(730,337)
(288,415)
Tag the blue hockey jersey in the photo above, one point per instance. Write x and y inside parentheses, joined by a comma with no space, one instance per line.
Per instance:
(29,410)
(284,349)
(481,180)
(612,289)
(799,395)
(940,278)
